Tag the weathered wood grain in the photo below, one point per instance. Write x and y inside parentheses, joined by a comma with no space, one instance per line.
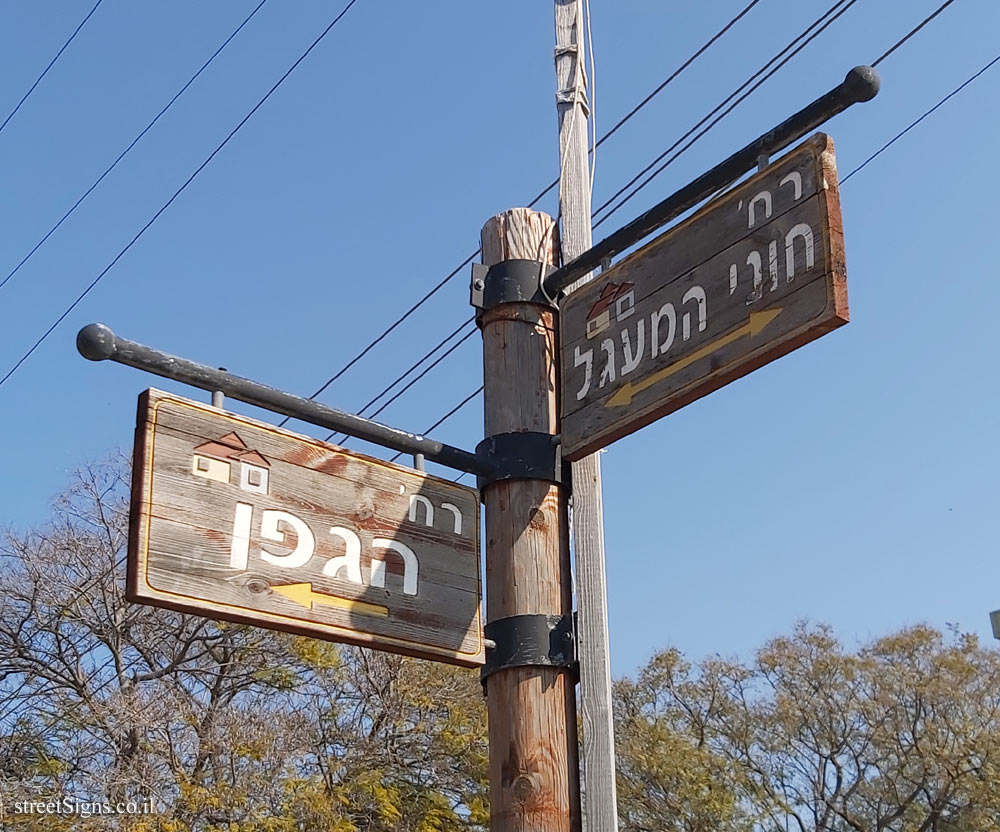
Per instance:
(774,243)
(532,710)
(598,755)
(183,525)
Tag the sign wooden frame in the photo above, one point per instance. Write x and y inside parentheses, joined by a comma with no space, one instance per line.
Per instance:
(750,277)
(236,519)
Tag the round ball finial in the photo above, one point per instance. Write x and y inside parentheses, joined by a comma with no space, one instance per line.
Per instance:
(96,342)
(863,83)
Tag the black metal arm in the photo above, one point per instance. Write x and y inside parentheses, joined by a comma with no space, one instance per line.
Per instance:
(861,84)
(98,343)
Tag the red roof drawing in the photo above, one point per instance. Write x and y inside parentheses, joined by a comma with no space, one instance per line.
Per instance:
(609,294)
(253,458)
(231,446)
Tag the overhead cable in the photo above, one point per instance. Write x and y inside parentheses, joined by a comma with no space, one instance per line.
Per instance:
(448,415)
(133,143)
(45,71)
(403,375)
(698,53)
(913,124)
(176,194)
(662,86)
(385,333)
(911,33)
(747,88)
(427,369)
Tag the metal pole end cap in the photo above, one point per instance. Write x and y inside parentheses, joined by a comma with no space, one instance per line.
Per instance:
(96,342)
(863,83)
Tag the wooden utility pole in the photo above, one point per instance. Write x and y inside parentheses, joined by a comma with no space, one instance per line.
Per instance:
(534,783)
(588,509)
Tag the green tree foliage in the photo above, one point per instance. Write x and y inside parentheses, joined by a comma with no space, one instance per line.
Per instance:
(225,728)
(902,735)
(237,729)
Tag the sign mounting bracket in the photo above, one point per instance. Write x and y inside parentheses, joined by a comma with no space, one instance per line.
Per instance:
(861,84)
(98,342)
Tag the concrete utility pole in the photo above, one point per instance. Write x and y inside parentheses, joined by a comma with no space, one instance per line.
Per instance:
(588,509)
(534,782)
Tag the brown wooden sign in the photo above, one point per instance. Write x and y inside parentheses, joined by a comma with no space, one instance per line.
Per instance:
(750,277)
(236,519)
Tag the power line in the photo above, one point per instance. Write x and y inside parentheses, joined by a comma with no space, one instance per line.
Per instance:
(913,124)
(860,167)
(426,370)
(701,51)
(698,53)
(45,71)
(390,328)
(910,34)
(177,193)
(659,170)
(662,86)
(412,367)
(448,415)
(763,74)
(134,142)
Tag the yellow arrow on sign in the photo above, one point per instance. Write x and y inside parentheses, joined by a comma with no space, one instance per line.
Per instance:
(757,321)
(303,594)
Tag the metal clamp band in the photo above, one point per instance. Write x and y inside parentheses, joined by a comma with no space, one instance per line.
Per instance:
(530,641)
(511,281)
(526,455)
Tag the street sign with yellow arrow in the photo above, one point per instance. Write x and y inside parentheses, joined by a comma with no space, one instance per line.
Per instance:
(750,277)
(237,519)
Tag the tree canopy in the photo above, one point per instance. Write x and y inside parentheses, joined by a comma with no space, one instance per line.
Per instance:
(228,728)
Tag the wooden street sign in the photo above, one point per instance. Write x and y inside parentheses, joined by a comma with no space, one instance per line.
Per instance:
(752,276)
(237,519)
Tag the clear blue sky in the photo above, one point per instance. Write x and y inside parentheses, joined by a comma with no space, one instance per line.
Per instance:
(853,482)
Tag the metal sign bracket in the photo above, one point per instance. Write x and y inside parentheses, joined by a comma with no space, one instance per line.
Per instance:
(510,281)
(524,455)
(530,641)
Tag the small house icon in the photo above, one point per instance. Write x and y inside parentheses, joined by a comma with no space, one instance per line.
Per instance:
(212,461)
(621,297)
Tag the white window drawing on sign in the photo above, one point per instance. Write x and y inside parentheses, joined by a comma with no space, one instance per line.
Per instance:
(217,459)
(621,297)
(624,303)
(253,474)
